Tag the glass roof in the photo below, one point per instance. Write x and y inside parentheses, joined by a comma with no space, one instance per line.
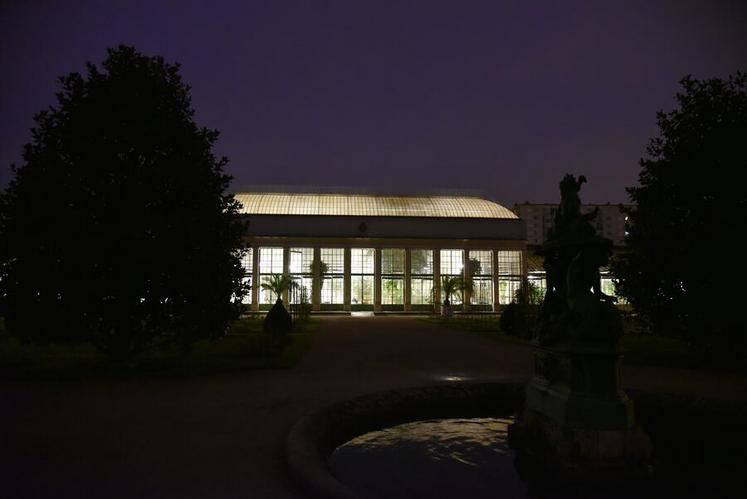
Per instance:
(279,203)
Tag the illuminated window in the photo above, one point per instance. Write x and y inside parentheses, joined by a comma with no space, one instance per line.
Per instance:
(509,275)
(392,261)
(270,262)
(452,262)
(300,272)
(392,276)
(481,267)
(361,276)
(333,284)
(421,278)
(421,262)
(507,288)
(421,289)
(334,259)
(300,260)
(509,263)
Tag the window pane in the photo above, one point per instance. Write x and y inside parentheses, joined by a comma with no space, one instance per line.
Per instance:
(361,289)
(334,258)
(392,291)
(484,262)
(451,262)
(271,260)
(507,290)
(362,261)
(300,260)
(332,290)
(421,261)
(482,291)
(509,262)
(421,291)
(392,261)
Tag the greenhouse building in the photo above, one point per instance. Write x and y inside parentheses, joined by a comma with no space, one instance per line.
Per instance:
(353,252)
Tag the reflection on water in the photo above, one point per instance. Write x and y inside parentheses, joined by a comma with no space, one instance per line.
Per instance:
(436,458)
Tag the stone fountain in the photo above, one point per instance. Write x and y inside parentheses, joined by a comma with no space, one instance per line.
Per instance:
(576,422)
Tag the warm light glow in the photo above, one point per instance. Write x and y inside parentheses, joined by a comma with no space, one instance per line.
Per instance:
(260,203)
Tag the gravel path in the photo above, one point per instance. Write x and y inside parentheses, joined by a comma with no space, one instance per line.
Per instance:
(222,436)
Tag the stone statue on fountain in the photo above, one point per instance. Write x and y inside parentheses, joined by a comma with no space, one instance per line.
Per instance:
(576,419)
(574,309)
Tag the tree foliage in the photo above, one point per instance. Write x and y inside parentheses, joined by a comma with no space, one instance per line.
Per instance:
(682,272)
(116,229)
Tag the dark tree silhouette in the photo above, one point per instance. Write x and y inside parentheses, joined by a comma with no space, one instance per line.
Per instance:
(116,229)
(684,271)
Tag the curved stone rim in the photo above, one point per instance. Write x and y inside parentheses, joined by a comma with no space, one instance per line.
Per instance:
(314,437)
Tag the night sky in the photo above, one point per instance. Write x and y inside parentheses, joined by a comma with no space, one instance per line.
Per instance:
(501,97)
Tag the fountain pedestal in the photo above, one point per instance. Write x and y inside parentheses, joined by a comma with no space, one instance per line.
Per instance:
(576,422)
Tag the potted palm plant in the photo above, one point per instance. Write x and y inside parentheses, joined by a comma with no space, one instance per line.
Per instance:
(450,286)
(278,320)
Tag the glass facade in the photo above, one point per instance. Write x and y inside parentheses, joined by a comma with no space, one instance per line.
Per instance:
(509,275)
(481,267)
(362,276)
(333,283)
(496,276)
(270,262)
(392,276)
(452,263)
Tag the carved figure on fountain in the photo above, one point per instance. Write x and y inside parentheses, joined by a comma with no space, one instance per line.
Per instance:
(574,308)
(574,401)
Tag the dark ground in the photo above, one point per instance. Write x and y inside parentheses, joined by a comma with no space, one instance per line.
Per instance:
(223,435)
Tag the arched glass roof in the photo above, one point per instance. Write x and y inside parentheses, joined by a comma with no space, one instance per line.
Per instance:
(280,203)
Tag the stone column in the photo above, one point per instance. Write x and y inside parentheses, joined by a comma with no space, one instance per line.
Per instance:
(316,282)
(286,271)
(377,280)
(437,279)
(496,288)
(346,281)
(255,279)
(408,278)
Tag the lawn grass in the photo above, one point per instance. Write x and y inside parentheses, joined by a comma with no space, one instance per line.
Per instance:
(244,347)
(639,346)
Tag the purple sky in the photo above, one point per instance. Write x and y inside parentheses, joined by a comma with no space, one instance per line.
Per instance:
(503,97)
